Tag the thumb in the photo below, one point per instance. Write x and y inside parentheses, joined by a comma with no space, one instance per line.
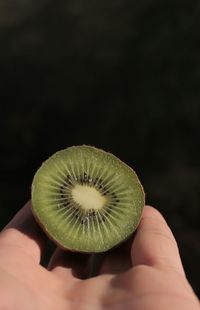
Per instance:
(154,244)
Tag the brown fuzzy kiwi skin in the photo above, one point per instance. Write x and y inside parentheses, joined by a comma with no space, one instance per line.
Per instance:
(84,252)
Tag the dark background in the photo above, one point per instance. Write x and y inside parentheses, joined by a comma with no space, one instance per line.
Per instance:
(120,75)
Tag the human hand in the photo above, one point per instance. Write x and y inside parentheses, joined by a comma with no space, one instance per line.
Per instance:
(144,273)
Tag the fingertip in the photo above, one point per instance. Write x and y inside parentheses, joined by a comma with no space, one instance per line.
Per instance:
(150,211)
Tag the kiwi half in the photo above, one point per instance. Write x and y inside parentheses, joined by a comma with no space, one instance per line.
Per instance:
(86,199)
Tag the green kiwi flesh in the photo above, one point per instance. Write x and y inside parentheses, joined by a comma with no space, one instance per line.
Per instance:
(86,199)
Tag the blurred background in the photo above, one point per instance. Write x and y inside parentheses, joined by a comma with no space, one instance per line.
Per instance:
(120,75)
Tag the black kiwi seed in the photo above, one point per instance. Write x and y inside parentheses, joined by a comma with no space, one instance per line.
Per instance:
(95,181)
(84,220)
(81,180)
(68,180)
(61,192)
(83,211)
(106,191)
(91,213)
(85,177)
(77,214)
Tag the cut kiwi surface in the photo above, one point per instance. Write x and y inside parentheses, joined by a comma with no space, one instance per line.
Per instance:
(86,199)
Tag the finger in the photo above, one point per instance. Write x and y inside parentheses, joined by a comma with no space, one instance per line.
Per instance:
(154,243)
(69,265)
(118,259)
(23,235)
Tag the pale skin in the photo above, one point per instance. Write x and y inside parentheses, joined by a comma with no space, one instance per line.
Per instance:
(146,273)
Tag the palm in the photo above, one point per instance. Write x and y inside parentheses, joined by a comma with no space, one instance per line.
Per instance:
(141,283)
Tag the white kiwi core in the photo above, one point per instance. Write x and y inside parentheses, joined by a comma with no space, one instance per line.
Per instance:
(88,197)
